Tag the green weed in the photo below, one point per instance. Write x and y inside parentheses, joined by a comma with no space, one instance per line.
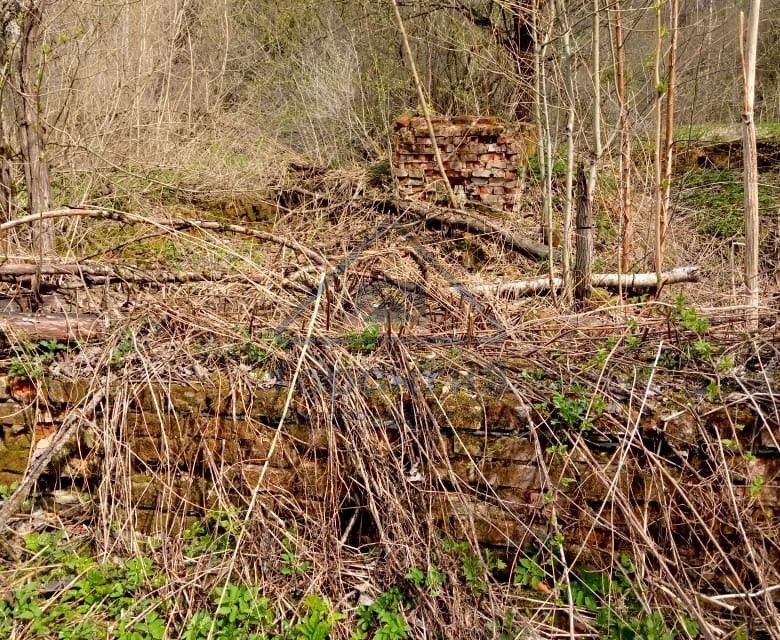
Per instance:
(475,570)
(34,358)
(385,617)
(364,342)
(291,564)
(432,579)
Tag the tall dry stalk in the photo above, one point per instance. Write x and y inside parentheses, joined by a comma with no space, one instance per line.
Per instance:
(748,46)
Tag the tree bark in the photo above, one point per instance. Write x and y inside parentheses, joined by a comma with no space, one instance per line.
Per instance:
(7,187)
(626,211)
(569,72)
(749,41)
(32,135)
(58,326)
(671,90)
(612,281)
(583,239)
(659,222)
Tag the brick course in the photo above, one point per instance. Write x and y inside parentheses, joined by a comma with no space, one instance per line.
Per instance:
(481,158)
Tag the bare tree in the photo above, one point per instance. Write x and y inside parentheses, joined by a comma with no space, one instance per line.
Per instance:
(659,89)
(587,200)
(749,43)
(671,87)
(571,114)
(583,260)
(26,83)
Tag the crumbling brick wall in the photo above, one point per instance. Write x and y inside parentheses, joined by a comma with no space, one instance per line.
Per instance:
(179,435)
(482,158)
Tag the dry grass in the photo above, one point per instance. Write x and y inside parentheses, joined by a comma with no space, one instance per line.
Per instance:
(701,543)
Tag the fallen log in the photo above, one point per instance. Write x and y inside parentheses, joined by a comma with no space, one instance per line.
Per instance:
(67,327)
(465,220)
(625,281)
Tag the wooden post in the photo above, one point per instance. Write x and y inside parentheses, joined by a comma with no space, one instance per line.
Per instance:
(748,47)
(583,239)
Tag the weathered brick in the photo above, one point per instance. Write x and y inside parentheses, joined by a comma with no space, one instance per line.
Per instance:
(15,414)
(492,473)
(65,391)
(15,452)
(491,446)
(170,492)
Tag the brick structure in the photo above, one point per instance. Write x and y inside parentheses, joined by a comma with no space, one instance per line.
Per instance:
(179,435)
(482,158)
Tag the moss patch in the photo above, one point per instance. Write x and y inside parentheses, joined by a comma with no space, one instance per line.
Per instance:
(717,197)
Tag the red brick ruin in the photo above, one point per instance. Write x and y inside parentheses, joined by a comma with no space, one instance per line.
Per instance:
(482,158)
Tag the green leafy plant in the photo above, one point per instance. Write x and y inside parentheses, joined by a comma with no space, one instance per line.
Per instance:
(474,569)
(757,486)
(561,450)
(432,579)
(257,350)
(7,489)
(291,564)
(696,349)
(528,573)
(33,359)
(123,348)
(576,413)
(319,620)
(216,533)
(364,342)
(385,617)
(688,318)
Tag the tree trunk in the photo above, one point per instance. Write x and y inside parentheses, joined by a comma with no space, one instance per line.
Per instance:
(583,239)
(569,72)
(32,138)
(750,163)
(522,50)
(626,213)
(68,327)
(659,222)
(7,187)
(671,86)
(613,281)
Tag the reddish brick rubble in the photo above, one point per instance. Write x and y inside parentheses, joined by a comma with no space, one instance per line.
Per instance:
(482,158)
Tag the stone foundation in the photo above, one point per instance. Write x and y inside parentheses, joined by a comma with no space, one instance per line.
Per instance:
(482,158)
(490,469)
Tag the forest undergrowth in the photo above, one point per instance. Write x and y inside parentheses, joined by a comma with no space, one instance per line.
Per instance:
(308,279)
